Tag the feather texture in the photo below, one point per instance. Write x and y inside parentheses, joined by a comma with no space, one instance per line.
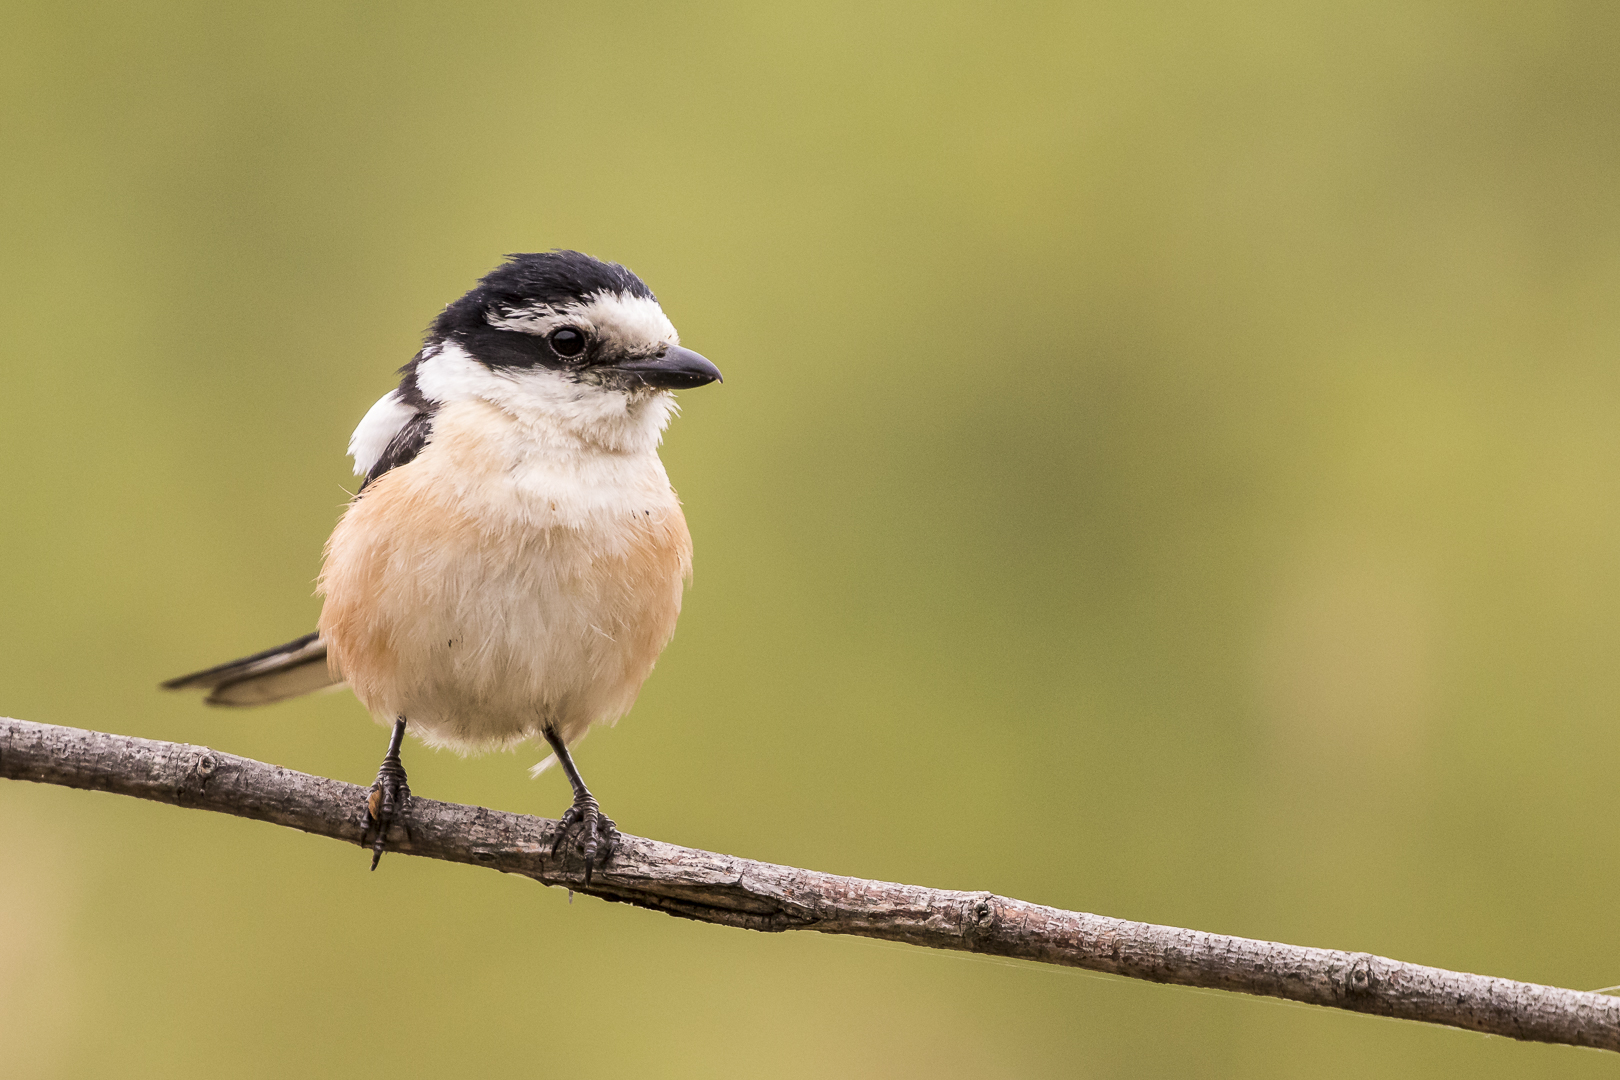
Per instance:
(512,576)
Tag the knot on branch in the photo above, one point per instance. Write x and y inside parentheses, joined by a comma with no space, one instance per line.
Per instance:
(200,767)
(1359,980)
(980,914)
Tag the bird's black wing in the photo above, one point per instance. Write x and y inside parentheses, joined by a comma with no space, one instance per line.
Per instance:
(415,432)
(405,445)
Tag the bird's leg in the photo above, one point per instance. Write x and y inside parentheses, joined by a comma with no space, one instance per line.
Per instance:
(388,795)
(599,832)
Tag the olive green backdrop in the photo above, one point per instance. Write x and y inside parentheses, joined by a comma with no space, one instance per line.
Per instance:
(1168,466)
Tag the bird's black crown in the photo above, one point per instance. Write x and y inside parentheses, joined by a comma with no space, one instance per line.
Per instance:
(545,277)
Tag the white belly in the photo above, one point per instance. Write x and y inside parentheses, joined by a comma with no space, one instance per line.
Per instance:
(489,589)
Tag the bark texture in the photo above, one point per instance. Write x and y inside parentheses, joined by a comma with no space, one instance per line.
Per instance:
(762,896)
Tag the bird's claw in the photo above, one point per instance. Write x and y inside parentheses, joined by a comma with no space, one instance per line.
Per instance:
(385,806)
(598,834)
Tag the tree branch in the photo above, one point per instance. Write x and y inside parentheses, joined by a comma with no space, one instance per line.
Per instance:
(761,896)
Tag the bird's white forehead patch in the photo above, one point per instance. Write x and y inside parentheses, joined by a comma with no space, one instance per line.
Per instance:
(623,322)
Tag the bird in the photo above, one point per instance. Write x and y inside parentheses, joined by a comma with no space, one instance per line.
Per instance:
(513,562)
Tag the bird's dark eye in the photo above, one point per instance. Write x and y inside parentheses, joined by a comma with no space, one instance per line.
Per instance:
(567,342)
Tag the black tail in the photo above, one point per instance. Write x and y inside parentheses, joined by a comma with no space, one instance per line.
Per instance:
(298,667)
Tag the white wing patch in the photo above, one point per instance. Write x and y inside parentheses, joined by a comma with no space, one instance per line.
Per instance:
(377,429)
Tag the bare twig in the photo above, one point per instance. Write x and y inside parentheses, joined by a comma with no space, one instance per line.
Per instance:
(762,896)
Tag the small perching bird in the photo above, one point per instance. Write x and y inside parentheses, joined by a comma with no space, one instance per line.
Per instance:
(513,563)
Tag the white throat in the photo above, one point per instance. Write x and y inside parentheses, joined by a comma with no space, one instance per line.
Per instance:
(554,407)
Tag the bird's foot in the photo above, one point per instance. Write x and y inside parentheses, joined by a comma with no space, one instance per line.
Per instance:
(385,806)
(598,836)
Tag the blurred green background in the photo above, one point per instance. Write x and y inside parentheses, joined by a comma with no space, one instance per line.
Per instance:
(1169,466)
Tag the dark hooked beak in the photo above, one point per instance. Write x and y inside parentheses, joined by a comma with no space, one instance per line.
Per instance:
(674,369)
